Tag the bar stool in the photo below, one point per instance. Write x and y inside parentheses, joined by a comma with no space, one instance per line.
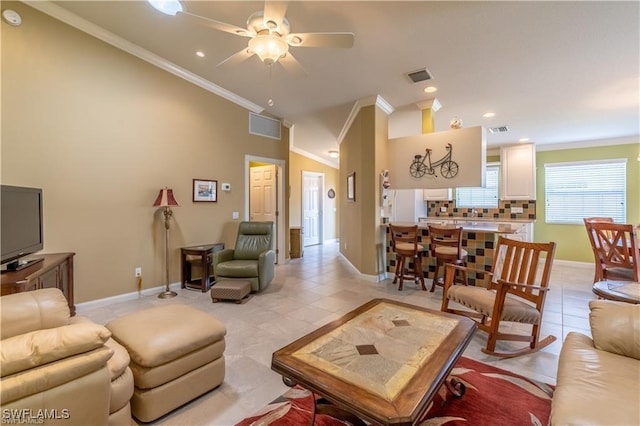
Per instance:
(446,247)
(404,242)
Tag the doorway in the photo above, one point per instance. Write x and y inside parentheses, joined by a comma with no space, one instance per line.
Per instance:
(312,217)
(264,186)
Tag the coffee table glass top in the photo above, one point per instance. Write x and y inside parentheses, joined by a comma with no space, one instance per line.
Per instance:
(381,349)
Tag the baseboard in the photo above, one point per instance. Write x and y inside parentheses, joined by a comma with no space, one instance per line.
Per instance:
(101,303)
(373,278)
(574,263)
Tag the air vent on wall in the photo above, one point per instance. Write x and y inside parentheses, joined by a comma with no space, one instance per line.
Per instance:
(499,129)
(420,75)
(264,126)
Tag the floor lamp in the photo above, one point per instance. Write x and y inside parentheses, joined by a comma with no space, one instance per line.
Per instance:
(165,199)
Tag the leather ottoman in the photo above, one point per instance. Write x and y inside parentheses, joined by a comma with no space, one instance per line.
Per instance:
(176,355)
(230,290)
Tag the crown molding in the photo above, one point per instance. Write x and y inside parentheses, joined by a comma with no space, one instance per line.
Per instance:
(626,140)
(376,100)
(314,157)
(100,33)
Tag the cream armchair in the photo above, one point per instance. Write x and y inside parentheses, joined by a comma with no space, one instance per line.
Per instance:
(59,368)
(598,376)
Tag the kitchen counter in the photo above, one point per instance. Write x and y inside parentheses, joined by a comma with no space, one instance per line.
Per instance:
(472,225)
(479,238)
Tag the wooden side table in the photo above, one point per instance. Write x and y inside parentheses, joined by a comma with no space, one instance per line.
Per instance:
(295,238)
(621,291)
(204,252)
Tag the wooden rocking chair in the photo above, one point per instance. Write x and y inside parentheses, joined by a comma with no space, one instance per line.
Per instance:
(516,292)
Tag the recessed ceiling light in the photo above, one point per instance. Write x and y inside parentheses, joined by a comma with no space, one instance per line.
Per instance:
(489,114)
(168,7)
(524,139)
(430,89)
(200,54)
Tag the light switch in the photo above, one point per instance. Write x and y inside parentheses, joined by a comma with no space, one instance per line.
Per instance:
(226,187)
(235,215)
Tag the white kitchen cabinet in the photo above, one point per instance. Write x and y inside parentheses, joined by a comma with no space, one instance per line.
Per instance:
(518,172)
(444,194)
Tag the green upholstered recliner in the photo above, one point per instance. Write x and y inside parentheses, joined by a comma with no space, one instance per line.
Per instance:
(252,257)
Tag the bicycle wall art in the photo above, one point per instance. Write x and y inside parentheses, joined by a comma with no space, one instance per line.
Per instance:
(438,160)
(422,165)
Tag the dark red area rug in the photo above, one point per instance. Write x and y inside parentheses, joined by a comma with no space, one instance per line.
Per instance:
(494,397)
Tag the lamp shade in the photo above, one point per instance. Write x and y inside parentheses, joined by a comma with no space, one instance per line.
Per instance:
(165,199)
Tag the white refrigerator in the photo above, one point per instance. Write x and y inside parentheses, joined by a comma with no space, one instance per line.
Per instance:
(407,205)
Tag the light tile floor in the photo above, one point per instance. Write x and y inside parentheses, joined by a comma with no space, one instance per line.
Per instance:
(318,288)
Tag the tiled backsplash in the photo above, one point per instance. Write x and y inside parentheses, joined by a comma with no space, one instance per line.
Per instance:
(502,212)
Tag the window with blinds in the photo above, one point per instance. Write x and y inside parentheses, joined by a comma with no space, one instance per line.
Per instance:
(486,197)
(574,191)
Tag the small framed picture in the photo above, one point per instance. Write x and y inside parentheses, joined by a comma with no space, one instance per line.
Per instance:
(205,190)
(351,186)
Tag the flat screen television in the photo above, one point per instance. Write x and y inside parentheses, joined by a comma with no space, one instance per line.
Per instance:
(21,225)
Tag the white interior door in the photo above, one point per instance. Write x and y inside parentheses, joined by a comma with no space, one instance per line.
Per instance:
(274,184)
(312,184)
(262,194)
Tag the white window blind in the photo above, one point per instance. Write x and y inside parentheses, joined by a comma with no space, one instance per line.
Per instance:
(574,191)
(481,197)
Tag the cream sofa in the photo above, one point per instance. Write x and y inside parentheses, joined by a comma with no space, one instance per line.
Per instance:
(63,370)
(599,379)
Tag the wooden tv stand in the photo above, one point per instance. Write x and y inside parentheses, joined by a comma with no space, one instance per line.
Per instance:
(55,271)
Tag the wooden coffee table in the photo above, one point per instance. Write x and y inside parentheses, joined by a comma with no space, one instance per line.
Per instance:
(382,362)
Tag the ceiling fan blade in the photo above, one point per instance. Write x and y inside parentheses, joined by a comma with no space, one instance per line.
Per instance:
(216,25)
(236,58)
(275,11)
(344,40)
(292,66)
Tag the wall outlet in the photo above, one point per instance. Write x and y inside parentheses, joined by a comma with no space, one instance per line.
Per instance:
(517,210)
(138,272)
(235,215)
(443,209)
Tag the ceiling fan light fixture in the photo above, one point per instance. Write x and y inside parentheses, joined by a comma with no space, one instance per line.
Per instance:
(168,7)
(268,47)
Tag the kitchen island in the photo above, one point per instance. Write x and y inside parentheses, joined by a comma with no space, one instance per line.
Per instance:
(479,239)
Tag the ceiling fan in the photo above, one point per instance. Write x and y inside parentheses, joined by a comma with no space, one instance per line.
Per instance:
(268,32)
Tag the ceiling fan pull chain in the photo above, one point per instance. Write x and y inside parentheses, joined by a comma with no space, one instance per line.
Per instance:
(270,101)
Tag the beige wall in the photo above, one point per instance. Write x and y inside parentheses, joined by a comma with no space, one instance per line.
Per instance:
(299,164)
(363,151)
(101,132)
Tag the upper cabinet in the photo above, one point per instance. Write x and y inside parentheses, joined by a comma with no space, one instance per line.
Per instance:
(444,194)
(518,172)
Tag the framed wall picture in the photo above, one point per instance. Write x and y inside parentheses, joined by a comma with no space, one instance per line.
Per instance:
(351,186)
(205,190)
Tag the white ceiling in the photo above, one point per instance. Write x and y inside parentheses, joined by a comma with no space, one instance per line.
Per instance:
(555,72)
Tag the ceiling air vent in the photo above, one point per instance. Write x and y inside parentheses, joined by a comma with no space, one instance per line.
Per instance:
(499,129)
(420,75)
(264,126)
